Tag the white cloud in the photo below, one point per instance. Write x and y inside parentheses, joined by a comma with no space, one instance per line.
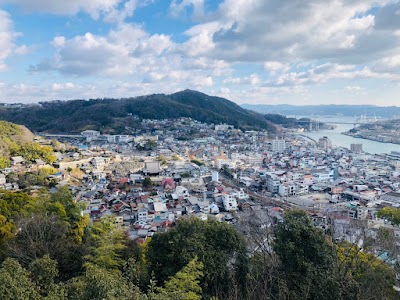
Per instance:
(118,54)
(116,15)
(324,73)
(252,80)
(290,31)
(276,67)
(7,38)
(112,10)
(62,86)
(177,7)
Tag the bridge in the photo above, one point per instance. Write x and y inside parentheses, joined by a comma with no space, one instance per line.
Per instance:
(63,135)
(314,122)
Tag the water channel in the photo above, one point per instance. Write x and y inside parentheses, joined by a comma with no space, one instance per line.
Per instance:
(341,140)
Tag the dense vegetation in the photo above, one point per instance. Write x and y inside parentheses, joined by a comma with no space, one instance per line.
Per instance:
(16,140)
(50,251)
(287,122)
(114,115)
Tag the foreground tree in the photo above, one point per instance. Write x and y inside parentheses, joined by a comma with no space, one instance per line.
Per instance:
(184,285)
(41,235)
(217,245)
(99,283)
(368,276)
(308,260)
(15,283)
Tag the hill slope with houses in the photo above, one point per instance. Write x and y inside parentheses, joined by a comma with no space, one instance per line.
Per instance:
(118,115)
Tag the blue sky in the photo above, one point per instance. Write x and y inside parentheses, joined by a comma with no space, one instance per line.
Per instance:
(249,51)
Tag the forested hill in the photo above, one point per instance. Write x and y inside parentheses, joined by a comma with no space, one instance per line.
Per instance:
(113,115)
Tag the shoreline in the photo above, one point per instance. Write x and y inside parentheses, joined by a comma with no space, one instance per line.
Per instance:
(367,138)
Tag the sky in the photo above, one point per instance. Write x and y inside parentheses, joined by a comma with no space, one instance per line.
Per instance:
(249,51)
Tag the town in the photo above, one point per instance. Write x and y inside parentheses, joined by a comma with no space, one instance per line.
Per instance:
(178,167)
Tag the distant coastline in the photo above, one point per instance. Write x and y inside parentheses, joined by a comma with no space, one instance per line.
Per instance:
(370,138)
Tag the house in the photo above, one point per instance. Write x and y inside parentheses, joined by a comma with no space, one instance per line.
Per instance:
(2,179)
(152,168)
(17,160)
(98,162)
(142,215)
(229,202)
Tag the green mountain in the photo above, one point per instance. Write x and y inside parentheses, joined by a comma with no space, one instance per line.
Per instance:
(113,115)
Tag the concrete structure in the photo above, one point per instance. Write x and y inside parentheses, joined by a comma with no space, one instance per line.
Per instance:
(229,202)
(357,148)
(215,176)
(324,143)
(278,145)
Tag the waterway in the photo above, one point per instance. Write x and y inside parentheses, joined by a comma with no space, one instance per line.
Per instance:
(341,140)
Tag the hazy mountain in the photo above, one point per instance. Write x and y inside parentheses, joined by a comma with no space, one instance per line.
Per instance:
(346,110)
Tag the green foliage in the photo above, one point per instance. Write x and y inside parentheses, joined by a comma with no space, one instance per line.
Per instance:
(12,205)
(162,159)
(307,258)
(32,151)
(44,272)
(185,175)
(217,245)
(370,277)
(113,115)
(184,285)
(28,179)
(197,162)
(147,182)
(4,162)
(15,283)
(99,283)
(390,213)
(68,210)
(107,244)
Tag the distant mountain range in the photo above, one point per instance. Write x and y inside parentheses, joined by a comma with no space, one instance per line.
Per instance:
(114,115)
(345,110)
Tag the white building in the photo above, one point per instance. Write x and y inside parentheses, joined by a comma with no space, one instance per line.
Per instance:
(278,145)
(90,135)
(241,195)
(142,214)
(287,189)
(181,191)
(229,202)
(214,176)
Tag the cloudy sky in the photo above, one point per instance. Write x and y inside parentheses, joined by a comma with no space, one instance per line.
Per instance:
(249,51)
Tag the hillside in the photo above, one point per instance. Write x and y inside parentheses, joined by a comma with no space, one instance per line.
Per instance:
(113,115)
(17,140)
(12,135)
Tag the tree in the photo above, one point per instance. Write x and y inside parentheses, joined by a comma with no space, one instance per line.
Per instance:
(15,283)
(147,183)
(390,213)
(106,244)
(4,162)
(69,211)
(217,245)
(12,206)
(369,277)
(184,285)
(44,272)
(307,259)
(32,151)
(40,235)
(98,283)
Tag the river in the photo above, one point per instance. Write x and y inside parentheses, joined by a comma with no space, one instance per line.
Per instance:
(339,139)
